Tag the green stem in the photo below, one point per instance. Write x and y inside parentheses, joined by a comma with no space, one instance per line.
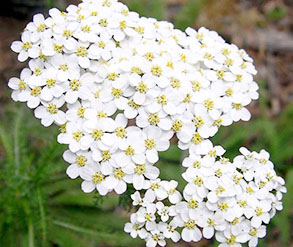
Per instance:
(18,121)
(30,233)
(43,218)
(29,224)
(77,228)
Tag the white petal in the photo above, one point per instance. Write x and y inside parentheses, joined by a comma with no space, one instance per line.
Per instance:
(72,171)
(87,186)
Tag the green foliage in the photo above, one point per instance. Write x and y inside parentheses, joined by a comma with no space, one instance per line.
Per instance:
(277,13)
(188,14)
(39,205)
(148,8)
(283,218)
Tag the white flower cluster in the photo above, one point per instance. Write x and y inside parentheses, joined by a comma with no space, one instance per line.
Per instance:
(232,201)
(96,66)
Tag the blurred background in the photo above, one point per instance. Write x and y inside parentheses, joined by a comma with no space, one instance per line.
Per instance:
(41,207)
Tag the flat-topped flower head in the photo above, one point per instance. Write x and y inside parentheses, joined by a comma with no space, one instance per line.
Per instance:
(122,87)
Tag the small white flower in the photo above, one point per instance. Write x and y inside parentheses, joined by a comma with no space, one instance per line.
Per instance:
(147,215)
(147,199)
(117,179)
(49,113)
(135,228)
(174,195)
(72,136)
(93,179)
(21,90)
(78,161)
(26,48)
(155,140)
(190,230)
(156,238)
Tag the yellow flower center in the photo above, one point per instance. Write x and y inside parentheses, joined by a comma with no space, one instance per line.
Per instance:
(155,186)
(198,181)
(107,3)
(136,70)
(117,93)
(27,45)
(118,173)
(77,135)
(149,56)
(223,206)
(196,86)
(153,119)
(249,190)
(225,51)
(103,22)
(189,224)
(237,106)
(50,83)
(218,173)
(37,71)
(220,74)
(142,88)
(101,114)
(81,160)
(242,203)
(63,67)
(196,164)
(253,232)
(211,222)
(140,30)
(112,76)
(229,62)
(22,85)
(258,211)
(235,221)
(98,178)
(52,109)
(229,92)
(106,155)
(196,138)
(122,24)
(97,134)
(209,104)
(132,104)
(208,56)
(102,44)
(86,28)
(74,85)
(177,125)
(175,83)
(231,240)
(140,169)
(129,151)
(187,99)
(81,51)
(239,78)
(58,48)
(156,70)
(41,28)
(198,121)
(220,190)
(36,91)
(80,112)
(150,143)
(192,204)
(62,128)
(67,33)
(162,99)
(120,132)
